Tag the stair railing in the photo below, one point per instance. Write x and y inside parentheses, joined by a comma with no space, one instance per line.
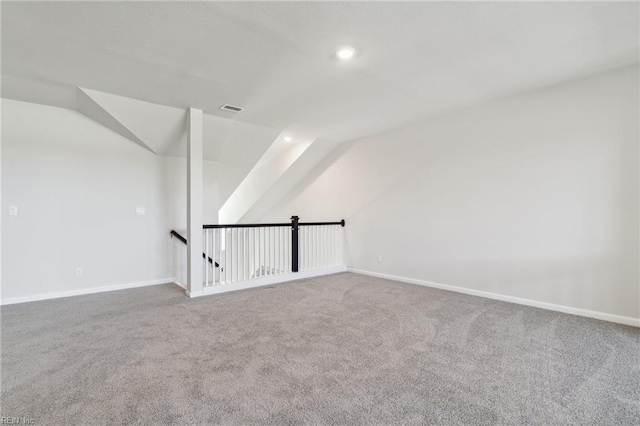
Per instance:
(242,252)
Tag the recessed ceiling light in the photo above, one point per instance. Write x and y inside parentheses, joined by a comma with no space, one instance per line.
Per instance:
(288,138)
(346,52)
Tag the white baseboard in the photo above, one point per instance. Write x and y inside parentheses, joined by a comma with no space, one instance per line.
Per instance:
(520,301)
(57,295)
(264,281)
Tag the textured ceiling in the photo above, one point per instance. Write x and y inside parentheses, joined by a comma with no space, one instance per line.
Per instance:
(275,59)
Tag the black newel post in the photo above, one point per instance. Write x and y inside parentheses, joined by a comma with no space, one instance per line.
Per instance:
(294,243)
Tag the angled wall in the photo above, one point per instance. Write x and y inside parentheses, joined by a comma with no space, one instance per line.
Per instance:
(265,174)
(272,195)
(532,197)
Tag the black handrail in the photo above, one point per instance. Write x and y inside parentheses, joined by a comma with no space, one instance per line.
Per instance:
(246,225)
(341,223)
(270,225)
(178,236)
(184,240)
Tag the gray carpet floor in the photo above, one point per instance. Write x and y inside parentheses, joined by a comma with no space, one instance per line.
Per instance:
(343,349)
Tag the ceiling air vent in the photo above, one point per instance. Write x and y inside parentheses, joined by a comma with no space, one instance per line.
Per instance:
(231,108)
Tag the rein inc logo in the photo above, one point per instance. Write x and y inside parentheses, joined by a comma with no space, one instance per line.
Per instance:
(17,421)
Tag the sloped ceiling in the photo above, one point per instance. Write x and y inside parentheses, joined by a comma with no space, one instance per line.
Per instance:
(159,127)
(414,60)
(91,105)
(237,146)
(162,129)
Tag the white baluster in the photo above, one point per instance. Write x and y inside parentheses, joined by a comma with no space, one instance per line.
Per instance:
(287,249)
(323,246)
(247,233)
(289,242)
(320,246)
(253,252)
(274,245)
(227,249)
(244,254)
(234,254)
(327,247)
(311,248)
(216,251)
(261,254)
(310,239)
(302,241)
(280,244)
(230,251)
(268,250)
(339,245)
(207,241)
(334,247)
(214,256)
(273,250)
(301,248)
(314,240)
(207,249)
(327,229)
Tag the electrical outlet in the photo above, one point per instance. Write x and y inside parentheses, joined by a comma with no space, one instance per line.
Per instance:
(379,258)
(78,272)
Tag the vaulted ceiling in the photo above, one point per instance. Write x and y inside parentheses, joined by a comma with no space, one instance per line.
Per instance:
(276,59)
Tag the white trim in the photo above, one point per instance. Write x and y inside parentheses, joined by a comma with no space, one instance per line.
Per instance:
(520,301)
(57,295)
(264,281)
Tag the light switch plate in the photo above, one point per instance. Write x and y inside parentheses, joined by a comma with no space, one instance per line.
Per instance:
(13,210)
(140,211)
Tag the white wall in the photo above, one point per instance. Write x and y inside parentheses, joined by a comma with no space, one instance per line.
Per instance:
(175,189)
(535,196)
(77,185)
